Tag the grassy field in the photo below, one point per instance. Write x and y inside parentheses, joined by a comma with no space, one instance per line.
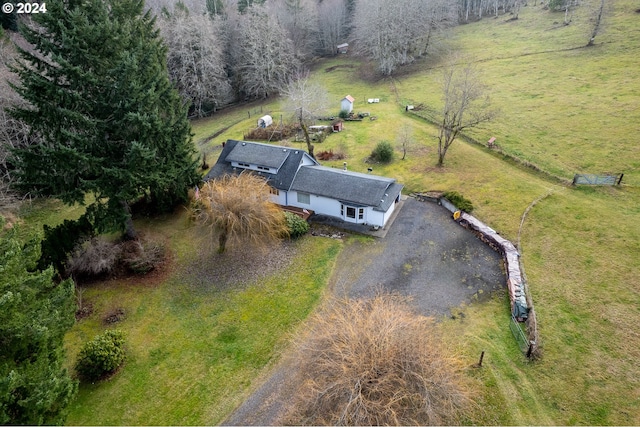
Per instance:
(567,109)
(194,346)
(195,350)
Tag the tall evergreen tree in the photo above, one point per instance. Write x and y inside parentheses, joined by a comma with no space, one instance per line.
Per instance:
(111,123)
(35,313)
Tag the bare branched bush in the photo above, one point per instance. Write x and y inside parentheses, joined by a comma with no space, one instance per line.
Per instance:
(375,362)
(93,258)
(141,257)
(239,208)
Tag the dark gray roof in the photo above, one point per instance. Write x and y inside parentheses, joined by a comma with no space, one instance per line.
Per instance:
(287,167)
(258,154)
(346,186)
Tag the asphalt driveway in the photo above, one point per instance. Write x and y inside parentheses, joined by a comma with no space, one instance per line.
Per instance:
(425,255)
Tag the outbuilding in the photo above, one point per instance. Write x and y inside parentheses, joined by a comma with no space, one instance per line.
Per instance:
(347,104)
(265,121)
(342,48)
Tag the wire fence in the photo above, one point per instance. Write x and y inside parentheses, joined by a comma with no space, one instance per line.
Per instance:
(525,345)
(585,179)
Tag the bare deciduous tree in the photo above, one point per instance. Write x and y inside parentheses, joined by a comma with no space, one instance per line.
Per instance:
(465,104)
(375,362)
(196,60)
(13,132)
(332,25)
(239,208)
(299,19)
(394,34)
(262,56)
(405,139)
(305,100)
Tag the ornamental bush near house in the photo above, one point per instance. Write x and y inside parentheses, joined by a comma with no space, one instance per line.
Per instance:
(383,152)
(459,201)
(296,225)
(101,356)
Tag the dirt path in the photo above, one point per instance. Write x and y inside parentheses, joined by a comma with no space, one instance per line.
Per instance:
(425,255)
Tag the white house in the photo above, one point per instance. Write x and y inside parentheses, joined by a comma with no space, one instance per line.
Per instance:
(347,104)
(296,179)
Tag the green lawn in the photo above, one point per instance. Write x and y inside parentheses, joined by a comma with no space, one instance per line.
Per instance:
(195,348)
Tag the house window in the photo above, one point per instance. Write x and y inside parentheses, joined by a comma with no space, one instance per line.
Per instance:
(274,191)
(351,212)
(360,213)
(263,168)
(304,198)
(244,165)
(341,210)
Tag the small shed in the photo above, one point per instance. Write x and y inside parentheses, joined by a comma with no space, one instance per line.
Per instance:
(342,48)
(265,121)
(337,126)
(347,104)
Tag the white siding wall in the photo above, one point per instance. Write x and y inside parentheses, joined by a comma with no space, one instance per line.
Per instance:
(319,204)
(376,217)
(345,105)
(331,207)
(280,199)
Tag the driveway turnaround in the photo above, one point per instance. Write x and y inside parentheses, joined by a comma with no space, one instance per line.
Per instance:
(424,255)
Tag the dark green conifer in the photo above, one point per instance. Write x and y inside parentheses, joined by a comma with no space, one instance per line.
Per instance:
(112,125)
(35,314)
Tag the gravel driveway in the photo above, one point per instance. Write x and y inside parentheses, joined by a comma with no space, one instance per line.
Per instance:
(425,255)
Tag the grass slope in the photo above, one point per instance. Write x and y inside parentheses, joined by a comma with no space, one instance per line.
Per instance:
(567,109)
(194,348)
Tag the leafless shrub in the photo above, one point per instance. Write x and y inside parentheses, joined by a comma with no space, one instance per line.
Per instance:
(330,155)
(141,257)
(375,362)
(94,257)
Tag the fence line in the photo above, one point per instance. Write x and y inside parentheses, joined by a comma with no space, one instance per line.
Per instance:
(588,179)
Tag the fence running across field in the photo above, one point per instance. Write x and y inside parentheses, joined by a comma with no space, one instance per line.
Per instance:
(585,179)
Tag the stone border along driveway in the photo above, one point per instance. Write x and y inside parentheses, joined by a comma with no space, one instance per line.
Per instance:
(424,255)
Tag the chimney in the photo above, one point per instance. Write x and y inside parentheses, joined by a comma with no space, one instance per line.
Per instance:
(344,166)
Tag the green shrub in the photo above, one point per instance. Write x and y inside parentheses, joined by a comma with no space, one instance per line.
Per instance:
(343,114)
(383,152)
(296,225)
(459,201)
(101,356)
